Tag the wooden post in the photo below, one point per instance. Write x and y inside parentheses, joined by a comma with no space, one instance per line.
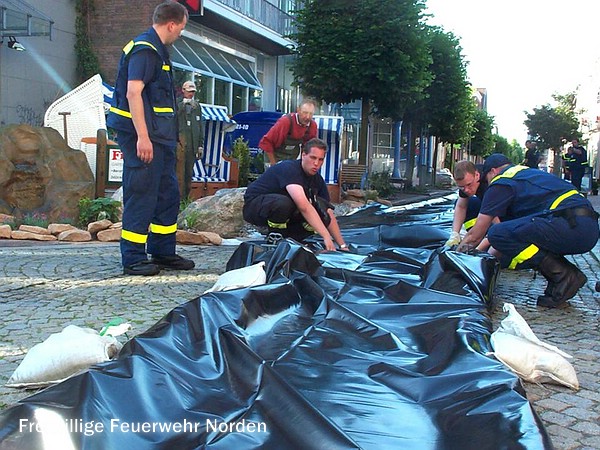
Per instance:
(65,114)
(101,161)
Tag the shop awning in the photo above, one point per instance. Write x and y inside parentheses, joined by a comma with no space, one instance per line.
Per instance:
(18,18)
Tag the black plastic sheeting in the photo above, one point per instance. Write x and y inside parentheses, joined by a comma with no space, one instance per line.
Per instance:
(382,347)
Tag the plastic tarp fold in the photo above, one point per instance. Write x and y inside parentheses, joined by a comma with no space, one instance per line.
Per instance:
(382,347)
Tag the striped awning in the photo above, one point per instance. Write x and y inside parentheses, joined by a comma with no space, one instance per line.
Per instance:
(218,113)
(18,18)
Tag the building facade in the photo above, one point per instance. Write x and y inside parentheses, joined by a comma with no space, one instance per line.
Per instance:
(236,51)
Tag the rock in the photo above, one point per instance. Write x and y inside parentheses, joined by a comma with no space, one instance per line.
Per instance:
(117,225)
(99,225)
(24,235)
(191,238)
(214,238)
(5,231)
(34,229)
(57,228)
(40,173)
(7,218)
(220,213)
(109,235)
(75,235)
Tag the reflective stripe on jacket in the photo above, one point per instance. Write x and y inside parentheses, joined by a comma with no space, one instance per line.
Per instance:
(537,192)
(158,95)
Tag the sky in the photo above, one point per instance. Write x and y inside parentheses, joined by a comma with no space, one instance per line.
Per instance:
(522,51)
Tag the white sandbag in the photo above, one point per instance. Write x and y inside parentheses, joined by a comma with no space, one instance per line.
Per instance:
(516,325)
(253,275)
(62,355)
(517,347)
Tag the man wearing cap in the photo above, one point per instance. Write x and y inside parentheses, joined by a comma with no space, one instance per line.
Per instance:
(191,132)
(542,218)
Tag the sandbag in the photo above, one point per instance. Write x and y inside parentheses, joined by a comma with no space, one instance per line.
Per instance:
(62,355)
(517,347)
(239,278)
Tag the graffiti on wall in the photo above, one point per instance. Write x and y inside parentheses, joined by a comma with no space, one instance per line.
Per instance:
(29,115)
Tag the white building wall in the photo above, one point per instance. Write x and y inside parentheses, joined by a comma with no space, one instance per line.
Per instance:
(31,80)
(588,109)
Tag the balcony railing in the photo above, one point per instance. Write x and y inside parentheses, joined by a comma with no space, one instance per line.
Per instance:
(264,13)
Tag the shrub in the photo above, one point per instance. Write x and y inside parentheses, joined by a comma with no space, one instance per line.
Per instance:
(98,209)
(36,219)
(241,152)
(381,182)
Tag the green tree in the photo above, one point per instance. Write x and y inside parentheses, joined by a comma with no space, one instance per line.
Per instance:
(369,50)
(447,109)
(549,126)
(482,138)
(512,150)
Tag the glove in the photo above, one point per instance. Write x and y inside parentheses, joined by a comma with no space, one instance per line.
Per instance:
(454,239)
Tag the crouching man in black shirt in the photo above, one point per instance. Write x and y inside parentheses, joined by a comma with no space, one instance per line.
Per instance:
(292,200)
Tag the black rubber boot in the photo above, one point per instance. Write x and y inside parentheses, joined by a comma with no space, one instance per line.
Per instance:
(564,280)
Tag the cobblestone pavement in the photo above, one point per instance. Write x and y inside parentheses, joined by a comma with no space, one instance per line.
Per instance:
(44,287)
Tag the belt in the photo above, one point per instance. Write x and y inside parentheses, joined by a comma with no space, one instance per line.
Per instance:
(570,214)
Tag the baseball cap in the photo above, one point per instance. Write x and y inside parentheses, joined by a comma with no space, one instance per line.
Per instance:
(493,161)
(189,86)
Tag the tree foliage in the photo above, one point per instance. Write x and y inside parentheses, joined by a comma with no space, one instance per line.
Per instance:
(374,51)
(482,139)
(549,125)
(365,49)
(448,108)
(512,150)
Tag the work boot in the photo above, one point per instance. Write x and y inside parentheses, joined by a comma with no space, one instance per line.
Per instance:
(564,280)
(173,262)
(145,268)
(273,238)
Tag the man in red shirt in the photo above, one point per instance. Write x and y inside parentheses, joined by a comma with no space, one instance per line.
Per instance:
(285,139)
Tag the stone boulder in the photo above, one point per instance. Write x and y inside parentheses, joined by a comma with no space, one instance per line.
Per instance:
(28,235)
(40,173)
(220,213)
(75,235)
(109,235)
(57,228)
(5,231)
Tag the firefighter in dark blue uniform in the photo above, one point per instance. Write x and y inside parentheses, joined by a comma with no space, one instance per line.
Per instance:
(578,162)
(542,218)
(471,186)
(145,118)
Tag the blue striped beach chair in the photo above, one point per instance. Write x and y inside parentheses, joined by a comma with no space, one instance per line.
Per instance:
(214,171)
(330,129)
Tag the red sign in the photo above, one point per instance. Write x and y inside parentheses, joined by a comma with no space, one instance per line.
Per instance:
(193,6)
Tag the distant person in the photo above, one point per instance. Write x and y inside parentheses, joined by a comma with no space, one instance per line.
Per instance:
(578,162)
(145,118)
(542,219)
(471,187)
(191,132)
(292,200)
(532,155)
(287,136)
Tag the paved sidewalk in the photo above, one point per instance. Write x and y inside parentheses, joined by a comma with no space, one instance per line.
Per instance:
(44,287)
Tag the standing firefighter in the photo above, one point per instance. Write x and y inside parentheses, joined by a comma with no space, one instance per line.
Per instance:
(145,118)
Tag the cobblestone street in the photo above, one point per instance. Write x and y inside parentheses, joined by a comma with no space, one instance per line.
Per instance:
(45,287)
